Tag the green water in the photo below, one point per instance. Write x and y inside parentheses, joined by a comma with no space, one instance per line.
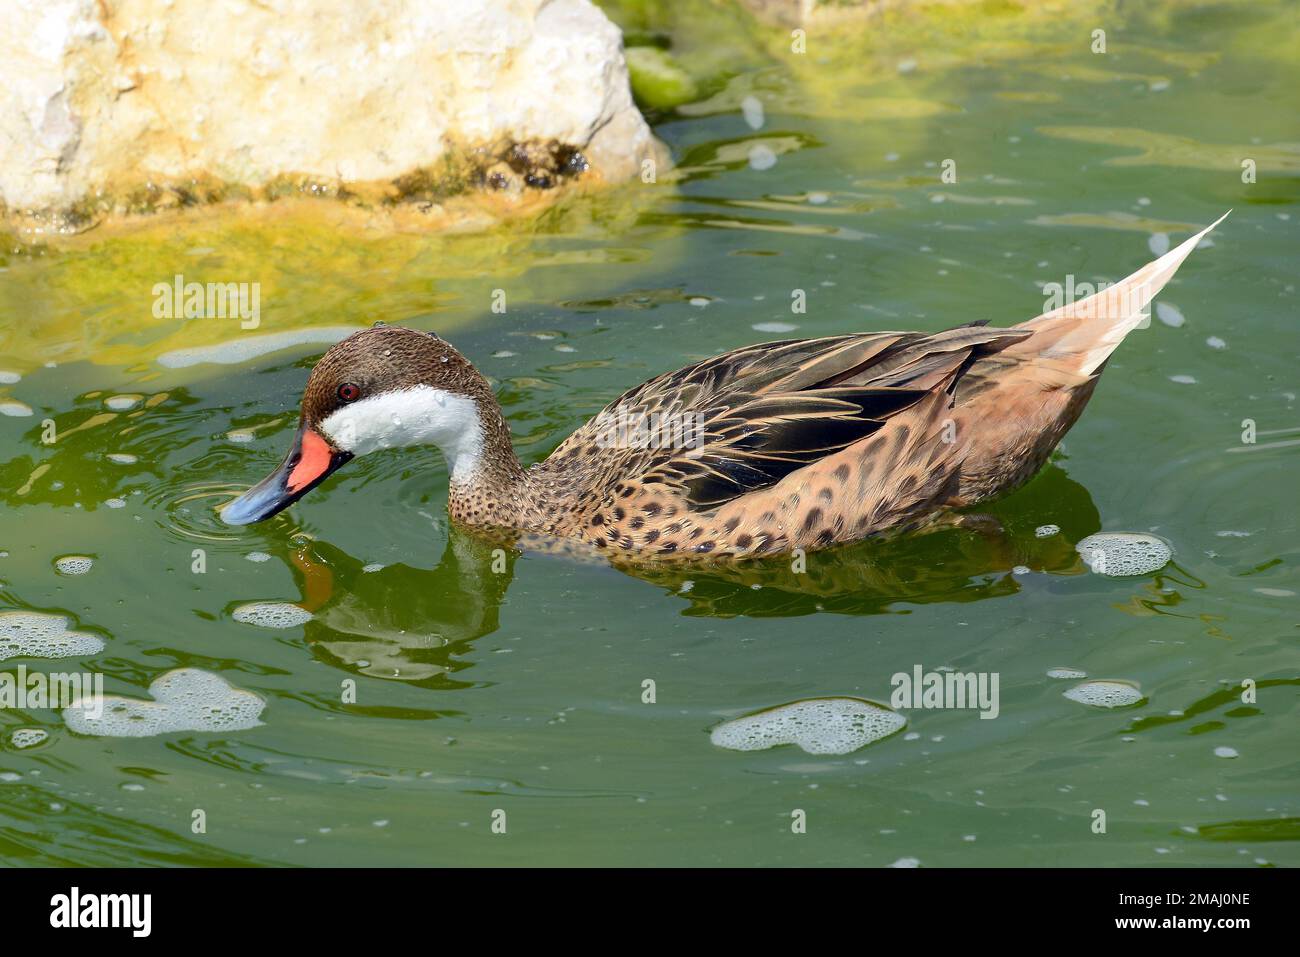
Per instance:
(480,689)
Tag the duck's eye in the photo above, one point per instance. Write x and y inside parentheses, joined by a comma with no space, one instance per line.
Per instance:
(349,392)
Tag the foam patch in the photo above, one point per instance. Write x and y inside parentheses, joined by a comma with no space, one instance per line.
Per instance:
(34,634)
(1066,673)
(1120,554)
(818,725)
(28,737)
(74,564)
(187,699)
(272,614)
(1106,694)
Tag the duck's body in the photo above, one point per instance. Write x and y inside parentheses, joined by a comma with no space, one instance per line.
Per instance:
(800,444)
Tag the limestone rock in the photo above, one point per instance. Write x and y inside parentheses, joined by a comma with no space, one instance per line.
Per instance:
(112,106)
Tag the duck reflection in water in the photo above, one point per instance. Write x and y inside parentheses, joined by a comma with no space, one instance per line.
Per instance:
(400,622)
(418,625)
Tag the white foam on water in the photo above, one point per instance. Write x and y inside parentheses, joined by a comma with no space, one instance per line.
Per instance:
(751,107)
(116,503)
(9,378)
(818,725)
(1158,243)
(1072,673)
(188,699)
(1214,342)
(761,157)
(1225,752)
(120,403)
(907,862)
(1046,531)
(258,557)
(122,458)
(1120,554)
(74,564)
(243,348)
(240,435)
(1183,379)
(1106,694)
(28,737)
(372,567)
(15,409)
(1170,315)
(774,327)
(34,634)
(272,614)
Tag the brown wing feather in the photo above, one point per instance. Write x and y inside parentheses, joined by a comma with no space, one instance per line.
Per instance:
(742,421)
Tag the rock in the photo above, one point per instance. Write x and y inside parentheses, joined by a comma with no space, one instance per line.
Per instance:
(146,104)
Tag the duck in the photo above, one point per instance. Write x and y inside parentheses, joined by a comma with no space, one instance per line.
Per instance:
(766,450)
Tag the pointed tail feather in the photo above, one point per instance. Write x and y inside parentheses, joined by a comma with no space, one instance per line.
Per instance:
(1082,335)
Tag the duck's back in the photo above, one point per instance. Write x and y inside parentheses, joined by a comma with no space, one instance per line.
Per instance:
(799,443)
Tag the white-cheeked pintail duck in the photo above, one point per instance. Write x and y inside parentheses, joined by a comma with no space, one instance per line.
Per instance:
(799,444)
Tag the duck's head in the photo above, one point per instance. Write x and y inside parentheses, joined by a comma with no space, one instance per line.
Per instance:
(381,388)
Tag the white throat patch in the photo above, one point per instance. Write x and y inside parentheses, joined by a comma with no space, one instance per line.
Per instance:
(419,416)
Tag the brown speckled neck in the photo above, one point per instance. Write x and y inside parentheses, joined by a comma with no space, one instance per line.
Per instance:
(494,493)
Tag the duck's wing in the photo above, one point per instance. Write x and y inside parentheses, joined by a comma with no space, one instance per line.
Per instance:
(742,421)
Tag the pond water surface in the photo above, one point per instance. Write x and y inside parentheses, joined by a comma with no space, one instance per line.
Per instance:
(518,687)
